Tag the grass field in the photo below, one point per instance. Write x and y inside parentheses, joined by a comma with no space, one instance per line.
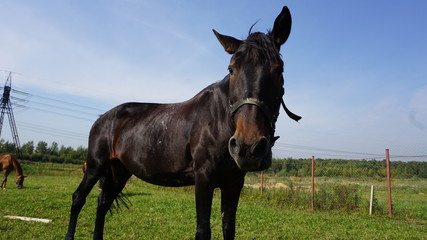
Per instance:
(409,195)
(169,213)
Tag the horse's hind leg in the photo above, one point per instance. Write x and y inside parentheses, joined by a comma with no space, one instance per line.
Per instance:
(111,186)
(90,178)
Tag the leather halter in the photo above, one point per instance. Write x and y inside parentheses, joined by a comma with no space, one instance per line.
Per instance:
(267,112)
(254,101)
(272,118)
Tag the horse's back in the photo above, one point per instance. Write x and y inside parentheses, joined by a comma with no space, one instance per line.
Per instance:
(107,130)
(149,139)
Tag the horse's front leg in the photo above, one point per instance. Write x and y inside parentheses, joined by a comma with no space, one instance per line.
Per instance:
(204,195)
(5,173)
(229,200)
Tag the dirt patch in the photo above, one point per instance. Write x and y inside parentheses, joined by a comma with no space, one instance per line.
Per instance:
(268,185)
(278,186)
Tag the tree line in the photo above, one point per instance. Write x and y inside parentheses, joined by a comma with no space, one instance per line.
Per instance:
(44,152)
(347,168)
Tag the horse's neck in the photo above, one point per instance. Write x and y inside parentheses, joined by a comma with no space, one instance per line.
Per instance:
(222,99)
(218,92)
(16,166)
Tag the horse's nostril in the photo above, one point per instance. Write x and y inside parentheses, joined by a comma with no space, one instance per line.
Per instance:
(233,146)
(261,148)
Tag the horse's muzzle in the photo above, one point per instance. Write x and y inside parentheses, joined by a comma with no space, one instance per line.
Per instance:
(251,157)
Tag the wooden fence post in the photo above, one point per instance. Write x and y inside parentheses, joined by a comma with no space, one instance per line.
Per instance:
(371,200)
(312,183)
(387,161)
(262,182)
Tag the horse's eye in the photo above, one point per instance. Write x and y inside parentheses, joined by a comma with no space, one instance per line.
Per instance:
(278,69)
(230,70)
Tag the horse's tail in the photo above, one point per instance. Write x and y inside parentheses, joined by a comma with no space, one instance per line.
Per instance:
(120,200)
(113,178)
(119,176)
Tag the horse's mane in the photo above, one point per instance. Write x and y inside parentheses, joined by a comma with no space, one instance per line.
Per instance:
(258,47)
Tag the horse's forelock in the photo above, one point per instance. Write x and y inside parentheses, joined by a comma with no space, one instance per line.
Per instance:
(258,48)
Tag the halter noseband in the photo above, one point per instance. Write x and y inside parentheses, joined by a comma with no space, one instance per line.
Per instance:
(272,118)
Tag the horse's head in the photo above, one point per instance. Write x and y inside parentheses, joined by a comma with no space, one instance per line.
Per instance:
(20,181)
(255,92)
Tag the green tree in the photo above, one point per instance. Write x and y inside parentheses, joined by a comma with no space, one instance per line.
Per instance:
(28,148)
(66,152)
(53,149)
(80,154)
(41,148)
(6,147)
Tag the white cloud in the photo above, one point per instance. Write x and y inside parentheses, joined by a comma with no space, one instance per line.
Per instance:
(418,109)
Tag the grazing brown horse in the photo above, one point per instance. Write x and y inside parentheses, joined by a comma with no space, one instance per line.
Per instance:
(210,141)
(8,163)
(84,166)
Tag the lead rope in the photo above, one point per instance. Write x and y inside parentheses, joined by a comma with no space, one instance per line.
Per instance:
(290,114)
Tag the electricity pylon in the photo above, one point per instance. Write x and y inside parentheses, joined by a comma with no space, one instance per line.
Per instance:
(6,107)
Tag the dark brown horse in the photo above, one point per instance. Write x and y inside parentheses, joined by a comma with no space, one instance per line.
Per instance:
(9,163)
(210,141)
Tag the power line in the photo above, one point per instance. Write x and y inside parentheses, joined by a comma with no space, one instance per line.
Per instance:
(23,101)
(64,108)
(52,131)
(58,101)
(317,149)
(56,104)
(61,114)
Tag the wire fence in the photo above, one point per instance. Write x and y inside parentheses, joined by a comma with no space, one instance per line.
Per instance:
(388,184)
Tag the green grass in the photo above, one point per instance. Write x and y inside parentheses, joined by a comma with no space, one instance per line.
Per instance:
(169,213)
(409,195)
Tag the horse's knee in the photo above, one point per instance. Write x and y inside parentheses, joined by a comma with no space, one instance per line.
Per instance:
(78,201)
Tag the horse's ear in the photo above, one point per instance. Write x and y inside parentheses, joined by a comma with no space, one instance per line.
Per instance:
(282,27)
(230,44)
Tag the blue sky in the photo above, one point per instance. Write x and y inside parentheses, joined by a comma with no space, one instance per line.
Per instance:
(356,71)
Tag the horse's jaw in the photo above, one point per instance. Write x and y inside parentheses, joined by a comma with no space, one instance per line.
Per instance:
(253,164)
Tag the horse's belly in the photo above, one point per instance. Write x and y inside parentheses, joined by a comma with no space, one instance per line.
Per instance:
(169,179)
